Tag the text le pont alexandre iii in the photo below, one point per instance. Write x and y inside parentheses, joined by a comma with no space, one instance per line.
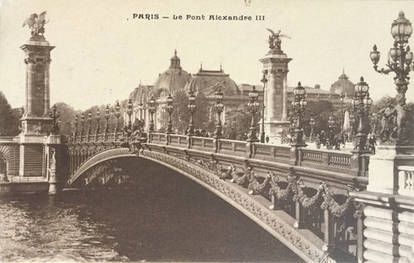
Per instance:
(192,17)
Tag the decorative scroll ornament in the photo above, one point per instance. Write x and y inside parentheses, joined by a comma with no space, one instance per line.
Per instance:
(255,187)
(242,179)
(330,203)
(337,210)
(304,200)
(286,193)
(227,173)
(36,24)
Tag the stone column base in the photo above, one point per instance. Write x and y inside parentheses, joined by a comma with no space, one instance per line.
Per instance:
(383,167)
(274,129)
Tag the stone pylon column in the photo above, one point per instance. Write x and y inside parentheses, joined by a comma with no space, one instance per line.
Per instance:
(36,113)
(36,123)
(275,67)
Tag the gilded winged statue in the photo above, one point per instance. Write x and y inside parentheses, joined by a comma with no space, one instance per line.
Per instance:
(274,39)
(36,23)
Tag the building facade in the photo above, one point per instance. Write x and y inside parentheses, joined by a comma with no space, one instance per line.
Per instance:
(235,96)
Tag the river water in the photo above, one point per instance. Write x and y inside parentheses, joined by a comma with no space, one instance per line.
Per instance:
(158,216)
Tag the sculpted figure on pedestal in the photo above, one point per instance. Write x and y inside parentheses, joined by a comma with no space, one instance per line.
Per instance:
(275,43)
(36,23)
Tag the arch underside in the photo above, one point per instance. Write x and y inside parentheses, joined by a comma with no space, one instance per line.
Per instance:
(276,222)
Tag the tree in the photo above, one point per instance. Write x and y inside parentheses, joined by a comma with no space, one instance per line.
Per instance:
(238,124)
(66,117)
(181,115)
(9,120)
(320,110)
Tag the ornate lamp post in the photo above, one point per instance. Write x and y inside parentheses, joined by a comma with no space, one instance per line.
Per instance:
(298,104)
(361,104)
(107,116)
(253,107)
(117,110)
(219,109)
(98,123)
(342,97)
(89,125)
(129,112)
(331,131)
(82,125)
(400,62)
(262,134)
(191,107)
(75,126)
(169,108)
(54,114)
(312,124)
(151,109)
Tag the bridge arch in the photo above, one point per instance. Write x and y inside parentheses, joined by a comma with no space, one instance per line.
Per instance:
(8,160)
(3,167)
(254,207)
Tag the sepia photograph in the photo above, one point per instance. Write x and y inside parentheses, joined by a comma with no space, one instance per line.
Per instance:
(206,131)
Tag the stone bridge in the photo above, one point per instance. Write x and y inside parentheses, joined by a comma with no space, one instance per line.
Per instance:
(300,196)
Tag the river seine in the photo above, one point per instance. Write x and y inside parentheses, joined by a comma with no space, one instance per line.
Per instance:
(157,216)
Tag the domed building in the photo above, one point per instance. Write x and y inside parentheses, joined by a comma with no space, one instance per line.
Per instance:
(343,86)
(171,80)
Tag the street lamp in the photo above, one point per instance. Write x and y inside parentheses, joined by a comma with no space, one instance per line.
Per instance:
(342,97)
(107,116)
(312,124)
(82,125)
(298,104)
(117,110)
(400,62)
(75,126)
(191,107)
(151,109)
(218,95)
(262,134)
(89,124)
(253,107)
(331,131)
(361,104)
(129,112)
(169,108)
(98,123)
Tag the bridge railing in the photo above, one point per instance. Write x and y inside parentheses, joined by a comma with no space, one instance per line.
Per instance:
(270,152)
(333,161)
(330,160)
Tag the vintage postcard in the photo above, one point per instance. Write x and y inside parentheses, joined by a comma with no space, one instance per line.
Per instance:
(206,131)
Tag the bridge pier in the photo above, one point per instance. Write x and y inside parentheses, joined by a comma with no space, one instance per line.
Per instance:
(54,160)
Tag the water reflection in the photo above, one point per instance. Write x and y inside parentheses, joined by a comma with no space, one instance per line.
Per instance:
(158,216)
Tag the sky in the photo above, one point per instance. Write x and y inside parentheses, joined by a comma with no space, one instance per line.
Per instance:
(102,53)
